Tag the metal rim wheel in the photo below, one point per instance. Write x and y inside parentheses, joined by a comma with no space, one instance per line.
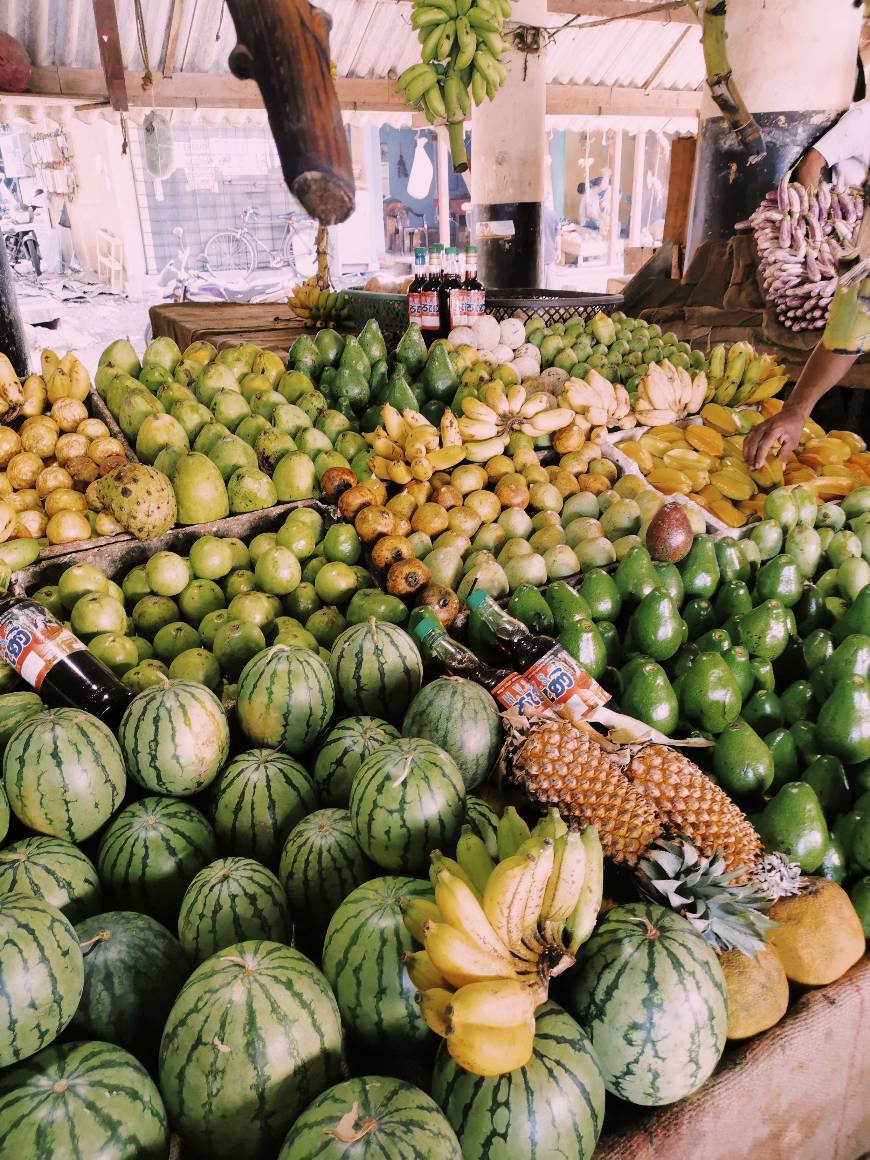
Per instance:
(300,252)
(228,251)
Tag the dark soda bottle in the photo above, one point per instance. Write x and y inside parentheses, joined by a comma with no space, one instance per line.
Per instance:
(416,286)
(455,291)
(56,663)
(510,689)
(541,659)
(475,294)
(449,284)
(430,301)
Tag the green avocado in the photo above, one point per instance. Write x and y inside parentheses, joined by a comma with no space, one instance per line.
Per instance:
(763,711)
(329,345)
(811,612)
(828,778)
(732,599)
(528,605)
(808,747)
(411,351)
(648,696)
(779,579)
(699,616)
(709,694)
(843,724)
(785,756)
(793,822)
(354,358)
(582,640)
(733,564)
(599,590)
(716,640)
(818,647)
(656,625)
(635,575)
(670,579)
(855,619)
(565,605)
(851,658)
(737,660)
(700,568)
(609,633)
(797,702)
(304,356)
(438,376)
(742,762)
(372,342)
(764,631)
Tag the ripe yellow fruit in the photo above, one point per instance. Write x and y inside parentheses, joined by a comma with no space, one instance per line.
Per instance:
(757,990)
(819,934)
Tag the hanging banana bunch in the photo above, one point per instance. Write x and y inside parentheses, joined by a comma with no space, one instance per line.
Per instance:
(462,49)
(312,300)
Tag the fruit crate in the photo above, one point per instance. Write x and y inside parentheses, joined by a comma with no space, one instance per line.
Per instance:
(115,554)
(390,311)
(551,306)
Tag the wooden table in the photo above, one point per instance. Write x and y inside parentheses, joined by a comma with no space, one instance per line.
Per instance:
(271,325)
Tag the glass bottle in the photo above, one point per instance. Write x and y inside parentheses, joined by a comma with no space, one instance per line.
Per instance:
(416,287)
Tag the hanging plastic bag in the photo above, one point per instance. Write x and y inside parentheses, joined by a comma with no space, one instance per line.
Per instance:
(422,172)
(159,147)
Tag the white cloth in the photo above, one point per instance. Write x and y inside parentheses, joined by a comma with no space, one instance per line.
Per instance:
(846,146)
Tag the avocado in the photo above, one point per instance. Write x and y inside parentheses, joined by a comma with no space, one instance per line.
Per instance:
(793,822)
(669,578)
(602,596)
(843,724)
(737,660)
(785,756)
(709,694)
(565,605)
(700,569)
(741,761)
(635,575)
(764,631)
(529,606)
(779,579)
(732,561)
(648,696)
(763,711)
(732,599)
(828,778)
(699,616)
(582,640)
(797,702)
(656,625)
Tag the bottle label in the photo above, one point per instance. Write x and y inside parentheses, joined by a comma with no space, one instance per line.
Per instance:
(558,676)
(430,313)
(414,307)
(32,642)
(458,308)
(515,692)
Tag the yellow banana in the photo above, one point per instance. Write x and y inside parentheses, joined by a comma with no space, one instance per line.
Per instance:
(386,448)
(380,466)
(551,825)
(473,856)
(439,862)
(394,423)
(460,959)
(504,900)
(511,833)
(400,473)
(459,905)
(547,422)
(477,430)
(443,458)
(533,406)
(421,469)
(494,396)
(516,398)
(566,878)
(451,436)
(414,418)
(495,1003)
(421,971)
(474,409)
(434,1004)
(492,1050)
(416,912)
(479,450)
(540,876)
(420,441)
(582,920)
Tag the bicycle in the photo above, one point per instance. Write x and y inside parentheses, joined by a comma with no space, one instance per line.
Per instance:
(238,250)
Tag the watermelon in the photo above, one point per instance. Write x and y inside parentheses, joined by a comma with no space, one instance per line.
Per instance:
(484,822)
(407,800)
(375,1118)
(64,774)
(175,738)
(4,813)
(134,968)
(83,1100)
(55,871)
(41,975)
(256,801)
(651,994)
(285,698)
(150,852)
(554,1105)
(252,1038)
(321,863)
(362,958)
(232,900)
(15,709)
(343,751)
(461,718)
(377,669)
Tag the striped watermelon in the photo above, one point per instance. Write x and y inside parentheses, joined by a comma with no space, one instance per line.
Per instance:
(407,800)
(134,968)
(461,718)
(377,669)
(64,774)
(4,813)
(554,1105)
(41,976)
(15,709)
(374,1118)
(151,851)
(321,863)
(256,801)
(651,994)
(362,958)
(253,1037)
(55,871)
(484,822)
(285,698)
(88,1100)
(175,738)
(343,751)
(232,900)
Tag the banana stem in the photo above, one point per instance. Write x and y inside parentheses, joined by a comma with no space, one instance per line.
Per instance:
(720,81)
(321,246)
(456,133)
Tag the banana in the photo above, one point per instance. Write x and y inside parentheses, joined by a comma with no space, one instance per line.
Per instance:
(540,876)
(546,422)
(433,103)
(516,398)
(459,906)
(495,1003)
(387,449)
(494,396)
(394,423)
(421,971)
(467,42)
(478,451)
(477,430)
(415,72)
(492,1050)
(430,39)
(478,87)
(493,41)
(439,862)
(512,832)
(414,418)
(399,473)
(582,920)
(451,436)
(460,959)
(482,20)
(566,878)
(426,16)
(80,379)
(49,364)
(443,458)
(505,897)
(446,42)
(551,825)
(449,6)
(473,409)
(416,912)
(421,469)
(473,856)
(434,1003)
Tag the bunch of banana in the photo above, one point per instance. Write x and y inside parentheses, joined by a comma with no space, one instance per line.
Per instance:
(407,446)
(597,404)
(11,394)
(323,307)
(742,376)
(461,59)
(667,393)
(486,424)
(62,377)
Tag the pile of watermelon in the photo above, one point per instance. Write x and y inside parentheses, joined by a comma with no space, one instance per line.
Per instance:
(201,923)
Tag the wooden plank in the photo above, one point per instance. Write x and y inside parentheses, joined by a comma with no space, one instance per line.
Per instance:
(109,41)
(170,46)
(599,100)
(679,189)
(669,12)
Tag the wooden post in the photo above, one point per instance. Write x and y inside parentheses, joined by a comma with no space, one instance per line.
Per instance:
(679,189)
(12,341)
(615,191)
(637,186)
(109,42)
(443,178)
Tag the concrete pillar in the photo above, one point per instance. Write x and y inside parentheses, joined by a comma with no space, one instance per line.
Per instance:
(795,63)
(442,179)
(509,145)
(638,184)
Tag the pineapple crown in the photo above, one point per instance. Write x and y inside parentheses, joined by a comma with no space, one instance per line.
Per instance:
(702,889)
(777,877)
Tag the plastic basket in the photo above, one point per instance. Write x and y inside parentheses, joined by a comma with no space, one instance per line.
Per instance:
(389,310)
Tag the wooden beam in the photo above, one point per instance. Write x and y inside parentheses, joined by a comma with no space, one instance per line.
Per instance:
(170,46)
(109,41)
(618,101)
(668,12)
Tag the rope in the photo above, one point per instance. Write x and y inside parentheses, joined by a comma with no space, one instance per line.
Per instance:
(147,78)
(125,136)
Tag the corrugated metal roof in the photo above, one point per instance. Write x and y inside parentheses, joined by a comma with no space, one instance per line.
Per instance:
(370,38)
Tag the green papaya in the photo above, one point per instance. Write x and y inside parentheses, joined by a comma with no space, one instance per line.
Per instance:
(741,761)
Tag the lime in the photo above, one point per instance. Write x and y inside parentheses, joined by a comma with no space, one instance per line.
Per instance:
(168,573)
(119,653)
(135,584)
(302,601)
(261,544)
(299,538)
(241,555)
(341,543)
(173,639)
(326,625)
(144,675)
(312,567)
(335,583)
(258,608)
(151,613)
(49,597)
(197,664)
(210,624)
(78,581)
(296,638)
(198,599)
(307,515)
(211,557)
(144,648)
(234,645)
(94,614)
(278,571)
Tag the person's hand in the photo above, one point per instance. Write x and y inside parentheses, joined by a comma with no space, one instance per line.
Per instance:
(785,429)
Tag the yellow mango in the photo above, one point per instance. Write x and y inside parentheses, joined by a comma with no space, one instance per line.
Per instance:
(668,481)
(705,439)
(720,418)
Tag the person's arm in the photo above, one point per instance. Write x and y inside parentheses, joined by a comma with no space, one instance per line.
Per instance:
(822,371)
(809,169)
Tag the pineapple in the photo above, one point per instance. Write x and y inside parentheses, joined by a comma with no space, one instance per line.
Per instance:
(700,888)
(563,766)
(693,806)
(778,877)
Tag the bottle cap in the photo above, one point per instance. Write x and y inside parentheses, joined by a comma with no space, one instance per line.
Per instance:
(425,627)
(475,598)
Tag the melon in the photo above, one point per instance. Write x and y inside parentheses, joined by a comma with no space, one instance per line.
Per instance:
(484,822)
(407,800)
(344,749)
(377,669)
(231,900)
(461,718)
(4,813)
(285,698)
(55,871)
(252,1038)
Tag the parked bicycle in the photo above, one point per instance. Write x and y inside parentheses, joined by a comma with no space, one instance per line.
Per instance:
(239,250)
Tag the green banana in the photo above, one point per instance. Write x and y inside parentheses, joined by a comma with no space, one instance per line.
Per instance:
(463,7)
(429,48)
(494,42)
(449,7)
(451,98)
(467,42)
(433,102)
(485,63)
(428,16)
(717,361)
(473,857)
(585,913)
(482,21)
(417,89)
(478,87)
(447,38)
(415,73)
(512,832)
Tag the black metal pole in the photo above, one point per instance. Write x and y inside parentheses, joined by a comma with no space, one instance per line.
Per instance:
(12,340)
